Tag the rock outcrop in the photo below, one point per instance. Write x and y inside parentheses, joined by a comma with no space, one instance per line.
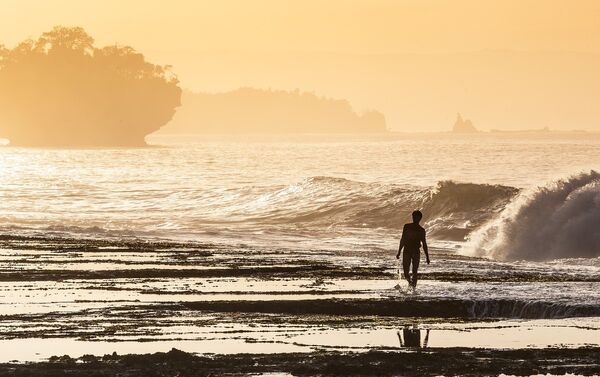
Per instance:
(62,91)
(463,125)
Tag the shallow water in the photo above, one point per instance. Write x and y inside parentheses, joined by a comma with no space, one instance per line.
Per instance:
(230,338)
(274,246)
(86,298)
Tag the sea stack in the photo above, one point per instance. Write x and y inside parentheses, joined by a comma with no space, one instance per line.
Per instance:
(463,125)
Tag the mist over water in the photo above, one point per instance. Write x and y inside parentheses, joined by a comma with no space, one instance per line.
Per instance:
(353,193)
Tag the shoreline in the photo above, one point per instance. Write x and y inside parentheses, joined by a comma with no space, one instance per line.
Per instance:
(454,361)
(289,308)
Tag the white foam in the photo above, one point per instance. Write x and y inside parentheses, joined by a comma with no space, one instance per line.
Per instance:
(559,220)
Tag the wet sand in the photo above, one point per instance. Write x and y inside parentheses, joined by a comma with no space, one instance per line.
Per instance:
(455,361)
(240,309)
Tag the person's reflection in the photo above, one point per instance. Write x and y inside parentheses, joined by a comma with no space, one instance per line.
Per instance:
(412,337)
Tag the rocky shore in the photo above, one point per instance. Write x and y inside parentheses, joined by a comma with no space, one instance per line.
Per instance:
(433,362)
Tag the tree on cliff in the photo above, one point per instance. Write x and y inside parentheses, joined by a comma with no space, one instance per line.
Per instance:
(60,90)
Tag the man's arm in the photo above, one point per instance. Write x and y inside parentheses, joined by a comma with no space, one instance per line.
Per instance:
(425,249)
(401,243)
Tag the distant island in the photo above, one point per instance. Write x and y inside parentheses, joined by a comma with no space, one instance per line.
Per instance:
(463,126)
(62,91)
(250,110)
(540,130)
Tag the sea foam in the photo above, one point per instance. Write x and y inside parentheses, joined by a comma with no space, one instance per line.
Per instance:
(559,220)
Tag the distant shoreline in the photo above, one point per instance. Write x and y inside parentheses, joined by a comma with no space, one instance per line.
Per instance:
(375,136)
(157,138)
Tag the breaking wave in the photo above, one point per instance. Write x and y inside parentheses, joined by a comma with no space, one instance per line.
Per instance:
(313,207)
(556,221)
(559,220)
(451,209)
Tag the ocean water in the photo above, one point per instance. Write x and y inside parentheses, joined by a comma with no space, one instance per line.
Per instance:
(344,194)
(249,230)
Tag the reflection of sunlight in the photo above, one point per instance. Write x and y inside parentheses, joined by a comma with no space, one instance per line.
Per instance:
(270,198)
(210,190)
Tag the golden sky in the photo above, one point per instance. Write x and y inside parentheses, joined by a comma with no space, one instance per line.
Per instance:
(367,26)
(363,51)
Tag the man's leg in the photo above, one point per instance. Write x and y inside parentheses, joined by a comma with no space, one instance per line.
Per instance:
(416,258)
(406,259)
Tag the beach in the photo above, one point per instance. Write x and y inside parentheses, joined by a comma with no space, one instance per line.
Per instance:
(286,310)
(299,188)
(230,264)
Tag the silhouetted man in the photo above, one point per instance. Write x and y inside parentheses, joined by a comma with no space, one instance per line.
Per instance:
(413,235)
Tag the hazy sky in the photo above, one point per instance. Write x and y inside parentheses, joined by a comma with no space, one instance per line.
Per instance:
(367,26)
(363,51)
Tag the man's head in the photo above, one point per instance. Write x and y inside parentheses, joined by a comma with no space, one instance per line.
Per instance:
(417,216)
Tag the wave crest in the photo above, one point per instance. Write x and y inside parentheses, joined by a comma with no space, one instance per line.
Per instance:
(451,209)
(456,209)
(559,220)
